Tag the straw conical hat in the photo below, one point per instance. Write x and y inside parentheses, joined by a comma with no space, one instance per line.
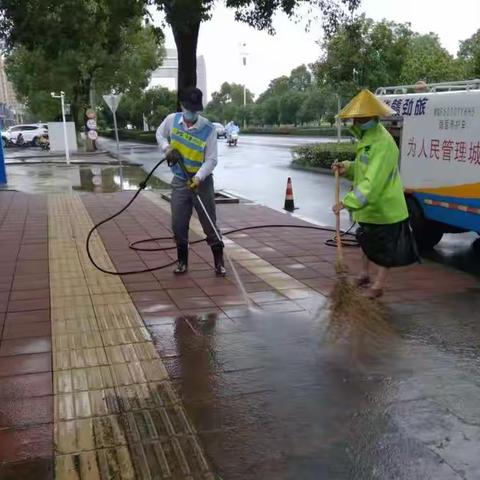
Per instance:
(365,104)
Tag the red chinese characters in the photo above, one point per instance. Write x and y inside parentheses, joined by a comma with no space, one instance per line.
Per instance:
(435,149)
(474,153)
(447,150)
(460,151)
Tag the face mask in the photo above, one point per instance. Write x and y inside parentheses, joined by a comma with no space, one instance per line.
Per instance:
(367,125)
(190,116)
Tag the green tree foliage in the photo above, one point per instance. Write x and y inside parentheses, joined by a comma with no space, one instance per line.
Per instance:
(300,79)
(368,54)
(293,99)
(159,103)
(363,54)
(289,106)
(469,55)
(152,105)
(227,103)
(426,59)
(75,44)
(313,107)
(185,17)
(231,93)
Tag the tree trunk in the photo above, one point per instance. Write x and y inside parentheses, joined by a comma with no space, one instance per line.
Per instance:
(79,105)
(186,39)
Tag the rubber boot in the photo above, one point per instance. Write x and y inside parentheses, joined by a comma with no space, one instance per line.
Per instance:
(182,262)
(217,251)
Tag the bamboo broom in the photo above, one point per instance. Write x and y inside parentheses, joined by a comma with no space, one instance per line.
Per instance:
(348,307)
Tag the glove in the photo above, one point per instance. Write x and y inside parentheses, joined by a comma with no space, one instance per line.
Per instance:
(173,156)
(337,208)
(194,183)
(340,166)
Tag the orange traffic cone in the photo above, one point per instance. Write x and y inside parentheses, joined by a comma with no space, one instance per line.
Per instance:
(289,204)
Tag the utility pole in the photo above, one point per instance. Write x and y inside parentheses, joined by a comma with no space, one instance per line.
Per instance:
(65,137)
(339,124)
(3,171)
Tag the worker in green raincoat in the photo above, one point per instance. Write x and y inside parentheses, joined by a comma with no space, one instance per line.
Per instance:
(376,201)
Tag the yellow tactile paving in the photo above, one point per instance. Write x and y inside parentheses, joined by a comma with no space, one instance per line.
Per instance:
(116,413)
(273,276)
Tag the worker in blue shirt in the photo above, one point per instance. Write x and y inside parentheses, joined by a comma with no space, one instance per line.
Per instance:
(192,138)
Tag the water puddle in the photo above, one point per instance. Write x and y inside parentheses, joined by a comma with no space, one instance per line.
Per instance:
(50,178)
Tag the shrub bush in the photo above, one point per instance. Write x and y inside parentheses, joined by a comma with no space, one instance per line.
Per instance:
(322,155)
(303,131)
(149,137)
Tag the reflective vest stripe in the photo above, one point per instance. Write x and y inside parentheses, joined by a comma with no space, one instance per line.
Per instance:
(195,143)
(452,206)
(364,158)
(191,145)
(189,155)
(360,196)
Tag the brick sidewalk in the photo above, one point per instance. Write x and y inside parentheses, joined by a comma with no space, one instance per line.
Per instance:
(128,400)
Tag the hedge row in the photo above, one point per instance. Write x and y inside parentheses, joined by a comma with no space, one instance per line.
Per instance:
(149,137)
(134,135)
(314,132)
(322,155)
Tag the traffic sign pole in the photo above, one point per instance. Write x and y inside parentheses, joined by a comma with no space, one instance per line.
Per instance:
(3,171)
(112,101)
(118,148)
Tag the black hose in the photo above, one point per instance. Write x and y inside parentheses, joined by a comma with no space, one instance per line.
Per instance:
(348,242)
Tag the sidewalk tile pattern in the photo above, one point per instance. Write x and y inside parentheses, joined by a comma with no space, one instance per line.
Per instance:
(246,380)
(116,414)
(26,395)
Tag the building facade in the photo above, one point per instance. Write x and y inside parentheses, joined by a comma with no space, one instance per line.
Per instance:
(166,75)
(10,109)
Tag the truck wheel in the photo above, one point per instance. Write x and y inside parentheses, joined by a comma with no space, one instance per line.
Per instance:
(427,232)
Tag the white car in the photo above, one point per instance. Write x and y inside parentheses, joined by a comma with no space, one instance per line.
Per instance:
(31,134)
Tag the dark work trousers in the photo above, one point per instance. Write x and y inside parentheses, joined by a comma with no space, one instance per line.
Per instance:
(183,201)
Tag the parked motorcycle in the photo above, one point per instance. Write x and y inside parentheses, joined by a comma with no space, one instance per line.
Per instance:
(44,143)
(20,142)
(7,142)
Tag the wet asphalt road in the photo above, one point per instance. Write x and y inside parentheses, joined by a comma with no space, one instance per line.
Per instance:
(258,169)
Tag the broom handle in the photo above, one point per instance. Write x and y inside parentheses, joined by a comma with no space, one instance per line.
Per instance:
(337,201)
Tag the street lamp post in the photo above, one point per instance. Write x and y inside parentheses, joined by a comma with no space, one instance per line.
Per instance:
(243,53)
(65,137)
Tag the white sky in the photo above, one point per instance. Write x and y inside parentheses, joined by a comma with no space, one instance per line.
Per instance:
(273,56)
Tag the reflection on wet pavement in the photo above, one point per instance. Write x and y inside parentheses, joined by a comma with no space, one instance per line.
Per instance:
(272,400)
(51,178)
(461,251)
